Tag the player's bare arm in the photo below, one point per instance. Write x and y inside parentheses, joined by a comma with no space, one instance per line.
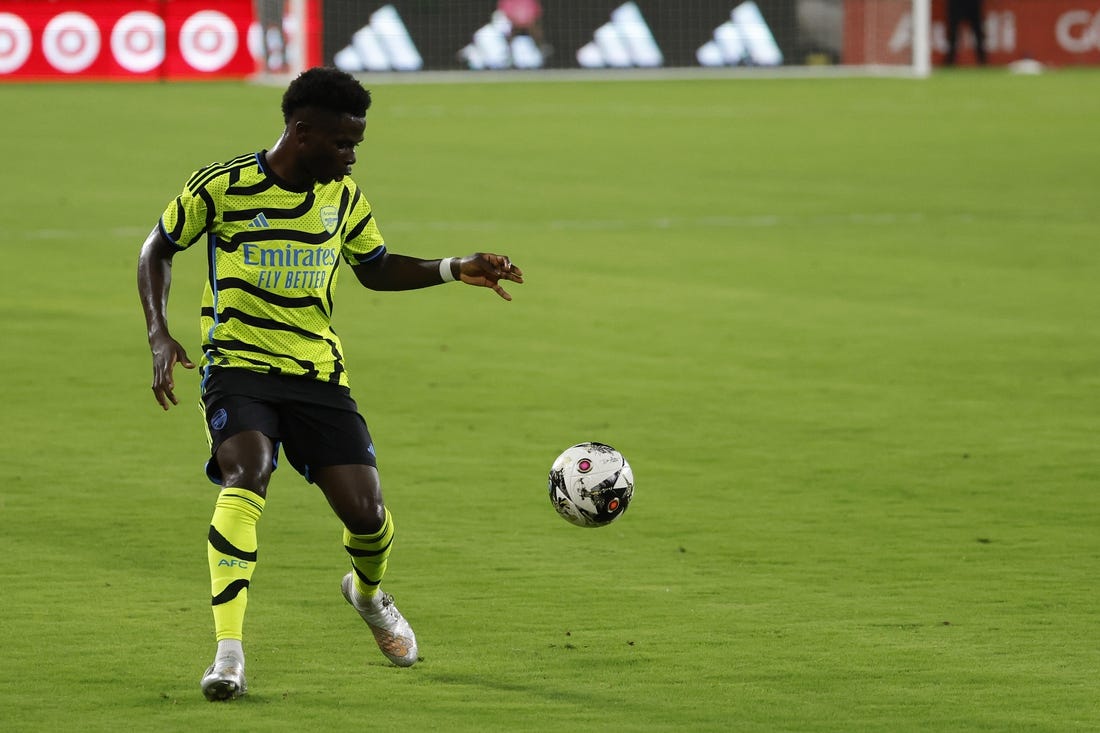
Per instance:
(154,278)
(401,272)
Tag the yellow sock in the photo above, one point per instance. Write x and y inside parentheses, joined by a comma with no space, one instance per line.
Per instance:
(231,552)
(369,554)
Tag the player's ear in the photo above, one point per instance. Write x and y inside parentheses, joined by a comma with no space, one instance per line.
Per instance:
(302,130)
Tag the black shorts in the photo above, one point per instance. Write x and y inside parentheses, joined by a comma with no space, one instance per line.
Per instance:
(317,424)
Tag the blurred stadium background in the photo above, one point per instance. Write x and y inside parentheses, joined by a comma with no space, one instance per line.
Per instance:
(844,329)
(66,39)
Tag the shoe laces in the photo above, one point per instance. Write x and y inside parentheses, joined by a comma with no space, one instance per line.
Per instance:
(386,606)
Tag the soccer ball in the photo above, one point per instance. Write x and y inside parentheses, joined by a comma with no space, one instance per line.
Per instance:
(591,484)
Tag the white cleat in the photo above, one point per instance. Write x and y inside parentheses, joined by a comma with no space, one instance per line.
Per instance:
(392,632)
(224,679)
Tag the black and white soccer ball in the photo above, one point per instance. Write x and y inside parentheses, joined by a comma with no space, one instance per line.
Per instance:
(591,484)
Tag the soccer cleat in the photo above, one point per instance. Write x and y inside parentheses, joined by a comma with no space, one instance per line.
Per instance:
(392,632)
(224,679)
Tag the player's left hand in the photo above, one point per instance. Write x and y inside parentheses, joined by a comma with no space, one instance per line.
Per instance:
(487,270)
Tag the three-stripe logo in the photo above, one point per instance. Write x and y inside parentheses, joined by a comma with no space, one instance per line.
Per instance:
(743,40)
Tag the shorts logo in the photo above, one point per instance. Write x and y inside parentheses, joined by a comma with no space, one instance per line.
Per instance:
(329,218)
(219,419)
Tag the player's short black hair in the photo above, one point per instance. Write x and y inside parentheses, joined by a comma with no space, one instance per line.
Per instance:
(326,88)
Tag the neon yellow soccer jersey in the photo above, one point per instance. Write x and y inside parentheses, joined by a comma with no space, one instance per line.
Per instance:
(274,252)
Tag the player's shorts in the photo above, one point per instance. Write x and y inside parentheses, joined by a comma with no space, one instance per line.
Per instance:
(317,424)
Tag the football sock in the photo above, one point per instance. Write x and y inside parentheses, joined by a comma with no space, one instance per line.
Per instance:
(369,553)
(230,648)
(231,552)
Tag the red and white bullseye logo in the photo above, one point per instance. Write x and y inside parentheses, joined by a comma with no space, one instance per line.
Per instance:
(71,42)
(15,42)
(137,41)
(208,40)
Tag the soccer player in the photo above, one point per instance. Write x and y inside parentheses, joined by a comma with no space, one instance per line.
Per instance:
(275,225)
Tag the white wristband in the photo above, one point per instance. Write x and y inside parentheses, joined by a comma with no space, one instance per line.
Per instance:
(445,269)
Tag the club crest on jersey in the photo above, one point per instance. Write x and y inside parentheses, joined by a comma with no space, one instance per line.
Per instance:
(329,218)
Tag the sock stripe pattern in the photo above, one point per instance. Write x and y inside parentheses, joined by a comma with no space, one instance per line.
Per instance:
(225,547)
(231,591)
(369,553)
(369,556)
(231,552)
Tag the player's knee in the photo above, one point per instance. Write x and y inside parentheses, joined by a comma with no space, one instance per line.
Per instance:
(246,461)
(253,478)
(369,519)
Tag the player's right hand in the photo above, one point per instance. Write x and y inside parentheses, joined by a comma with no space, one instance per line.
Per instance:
(166,353)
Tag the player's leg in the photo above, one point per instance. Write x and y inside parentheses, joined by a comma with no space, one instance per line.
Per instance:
(327,441)
(245,462)
(355,495)
(977,26)
(332,447)
(954,18)
(242,459)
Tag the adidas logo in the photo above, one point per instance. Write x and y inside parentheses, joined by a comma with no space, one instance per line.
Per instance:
(384,44)
(625,41)
(494,46)
(743,40)
(260,222)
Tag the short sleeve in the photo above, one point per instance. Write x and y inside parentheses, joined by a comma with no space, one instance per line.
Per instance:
(362,240)
(187,218)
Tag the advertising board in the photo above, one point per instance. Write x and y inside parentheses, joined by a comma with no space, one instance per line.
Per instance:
(1053,32)
(125,39)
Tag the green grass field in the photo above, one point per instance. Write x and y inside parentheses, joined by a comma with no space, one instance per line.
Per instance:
(845,331)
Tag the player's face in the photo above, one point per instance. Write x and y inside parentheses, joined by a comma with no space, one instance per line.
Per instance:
(329,152)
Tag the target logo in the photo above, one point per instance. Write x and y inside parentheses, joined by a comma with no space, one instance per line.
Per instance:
(15,42)
(176,38)
(208,40)
(137,41)
(71,42)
